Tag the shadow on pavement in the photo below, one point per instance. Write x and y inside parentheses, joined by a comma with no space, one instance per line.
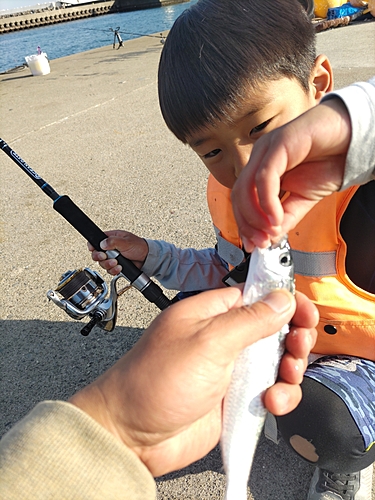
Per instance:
(43,360)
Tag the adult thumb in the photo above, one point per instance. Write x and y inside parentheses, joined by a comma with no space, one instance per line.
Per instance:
(245,325)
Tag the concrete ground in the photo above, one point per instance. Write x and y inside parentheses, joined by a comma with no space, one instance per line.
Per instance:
(93,130)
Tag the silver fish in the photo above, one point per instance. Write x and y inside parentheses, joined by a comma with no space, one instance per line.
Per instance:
(254,371)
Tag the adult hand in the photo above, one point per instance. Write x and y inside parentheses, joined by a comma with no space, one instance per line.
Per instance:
(305,158)
(129,245)
(164,398)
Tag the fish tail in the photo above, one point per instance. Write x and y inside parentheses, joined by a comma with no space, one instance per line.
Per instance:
(235,490)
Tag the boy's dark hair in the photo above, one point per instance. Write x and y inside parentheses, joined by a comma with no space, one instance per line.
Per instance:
(218,48)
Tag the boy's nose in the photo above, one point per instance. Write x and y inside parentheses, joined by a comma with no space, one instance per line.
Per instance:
(241,158)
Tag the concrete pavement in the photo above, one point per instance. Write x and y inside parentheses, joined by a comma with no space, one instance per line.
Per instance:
(92,129)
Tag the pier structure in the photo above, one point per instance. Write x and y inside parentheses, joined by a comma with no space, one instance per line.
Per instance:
(42,17)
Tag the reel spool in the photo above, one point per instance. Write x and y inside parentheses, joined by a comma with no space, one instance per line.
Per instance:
(84,293)
(81,288)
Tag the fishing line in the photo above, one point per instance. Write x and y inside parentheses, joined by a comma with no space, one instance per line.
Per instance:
(161,37)
(125,32)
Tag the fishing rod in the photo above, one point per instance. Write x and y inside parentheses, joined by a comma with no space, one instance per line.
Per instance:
(87,278)
(125,32)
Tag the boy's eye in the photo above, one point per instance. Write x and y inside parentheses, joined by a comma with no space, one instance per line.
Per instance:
(260,127)
(212,153)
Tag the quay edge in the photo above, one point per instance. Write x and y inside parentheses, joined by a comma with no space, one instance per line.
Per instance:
(43,17)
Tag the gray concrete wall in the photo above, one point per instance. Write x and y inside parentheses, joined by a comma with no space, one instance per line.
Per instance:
(46,16)
(124,5)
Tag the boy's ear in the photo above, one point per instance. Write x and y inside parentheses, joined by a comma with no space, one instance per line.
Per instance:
(321,77)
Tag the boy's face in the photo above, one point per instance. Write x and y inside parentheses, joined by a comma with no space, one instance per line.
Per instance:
(225,148)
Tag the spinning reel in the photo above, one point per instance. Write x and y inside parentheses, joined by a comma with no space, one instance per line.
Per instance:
(85,293)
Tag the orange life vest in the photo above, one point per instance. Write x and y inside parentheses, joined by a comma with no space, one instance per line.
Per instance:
(347,313)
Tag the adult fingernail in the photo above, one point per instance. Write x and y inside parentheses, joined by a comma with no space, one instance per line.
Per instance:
(312,340)
(103,245)
(278,301)
(282,399)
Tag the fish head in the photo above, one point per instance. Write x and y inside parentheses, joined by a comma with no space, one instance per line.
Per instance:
(276,265)
(270,268)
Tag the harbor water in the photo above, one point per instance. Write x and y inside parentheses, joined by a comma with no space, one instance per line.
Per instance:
(59,40)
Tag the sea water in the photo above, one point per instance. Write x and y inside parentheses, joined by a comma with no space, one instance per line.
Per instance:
(64,39)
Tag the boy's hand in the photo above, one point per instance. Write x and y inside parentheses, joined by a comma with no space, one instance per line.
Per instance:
(164,398)
(306,158)
(132,247)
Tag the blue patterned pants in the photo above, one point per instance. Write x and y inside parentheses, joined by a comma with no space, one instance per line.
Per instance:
(336,417)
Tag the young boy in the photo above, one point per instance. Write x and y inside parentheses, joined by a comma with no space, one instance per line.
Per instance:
(229,73)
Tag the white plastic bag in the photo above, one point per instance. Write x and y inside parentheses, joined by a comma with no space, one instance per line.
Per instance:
(38,64)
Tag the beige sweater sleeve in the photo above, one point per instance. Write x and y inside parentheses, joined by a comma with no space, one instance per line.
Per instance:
(57,451)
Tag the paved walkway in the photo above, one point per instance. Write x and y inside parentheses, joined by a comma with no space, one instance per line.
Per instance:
(93,130)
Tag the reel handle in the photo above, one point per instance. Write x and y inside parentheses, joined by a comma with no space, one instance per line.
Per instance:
(92,233)
(90,325)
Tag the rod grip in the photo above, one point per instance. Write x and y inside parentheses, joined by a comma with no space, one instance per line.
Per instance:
(92,233)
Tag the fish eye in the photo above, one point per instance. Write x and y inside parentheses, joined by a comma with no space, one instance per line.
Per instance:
(285,259)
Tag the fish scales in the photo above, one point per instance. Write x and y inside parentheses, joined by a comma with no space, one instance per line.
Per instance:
(254,371)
